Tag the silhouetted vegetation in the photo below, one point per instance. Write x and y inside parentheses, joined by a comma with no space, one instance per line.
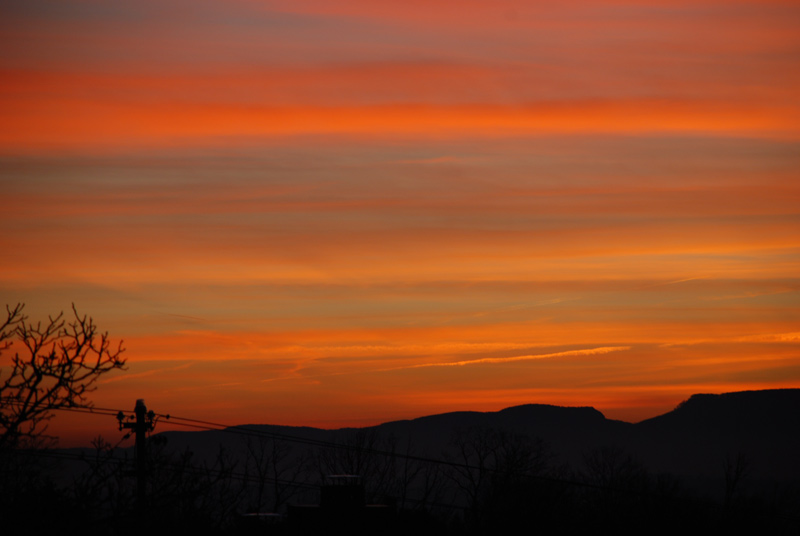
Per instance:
(487,481)
(55,365)
(481,480)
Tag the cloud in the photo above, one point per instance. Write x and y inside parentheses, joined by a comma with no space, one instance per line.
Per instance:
(772,337)
(568,353)
(160,371)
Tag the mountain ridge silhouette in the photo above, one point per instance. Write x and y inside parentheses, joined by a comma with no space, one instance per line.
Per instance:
(693,440)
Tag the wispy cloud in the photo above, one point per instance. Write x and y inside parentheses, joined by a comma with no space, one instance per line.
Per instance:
(144,374)
(772,337)
(530,357)
(677,281)
(295,373)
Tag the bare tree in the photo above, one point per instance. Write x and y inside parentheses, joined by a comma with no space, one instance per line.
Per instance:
(408,471)
(55,365)
(474,457)
(737,468)
(272,461)
(612,468)
(492,470)
(364,452)
(102,489)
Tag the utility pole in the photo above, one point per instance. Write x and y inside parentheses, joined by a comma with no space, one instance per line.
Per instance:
(144,422)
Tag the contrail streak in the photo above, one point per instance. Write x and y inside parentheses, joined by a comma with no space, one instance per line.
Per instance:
(587,351)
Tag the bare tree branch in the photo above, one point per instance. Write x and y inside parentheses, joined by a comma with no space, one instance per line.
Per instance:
(55,365)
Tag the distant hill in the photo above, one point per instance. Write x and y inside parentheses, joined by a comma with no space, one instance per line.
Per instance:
(698,435)
(694,440)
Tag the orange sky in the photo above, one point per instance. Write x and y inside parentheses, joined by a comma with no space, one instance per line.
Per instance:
(342,213)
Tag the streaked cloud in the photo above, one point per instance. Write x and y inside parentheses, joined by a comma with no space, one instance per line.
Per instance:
(485,360)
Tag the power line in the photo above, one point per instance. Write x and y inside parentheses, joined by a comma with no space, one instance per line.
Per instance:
(251,432)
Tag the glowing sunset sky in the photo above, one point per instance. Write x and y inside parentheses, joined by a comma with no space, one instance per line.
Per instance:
(341,213)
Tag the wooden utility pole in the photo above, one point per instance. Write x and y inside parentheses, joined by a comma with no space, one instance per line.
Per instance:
(145,422)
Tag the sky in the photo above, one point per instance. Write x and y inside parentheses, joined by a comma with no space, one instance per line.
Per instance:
(343,213)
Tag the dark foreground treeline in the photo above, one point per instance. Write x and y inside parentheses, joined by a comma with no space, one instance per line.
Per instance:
(484,481)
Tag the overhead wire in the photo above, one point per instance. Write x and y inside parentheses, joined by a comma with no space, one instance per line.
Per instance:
(248,431)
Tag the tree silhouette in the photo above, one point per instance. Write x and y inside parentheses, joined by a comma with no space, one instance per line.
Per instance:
(364,452)
(269,460)
(491,469)
(55,365)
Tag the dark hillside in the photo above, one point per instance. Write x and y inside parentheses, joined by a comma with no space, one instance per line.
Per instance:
(759,427)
